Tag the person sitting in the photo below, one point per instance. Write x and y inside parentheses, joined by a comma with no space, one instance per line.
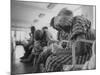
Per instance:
(37,49)
(28,47)
(47,36)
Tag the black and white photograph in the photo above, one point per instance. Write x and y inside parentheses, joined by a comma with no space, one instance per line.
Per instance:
(52,37)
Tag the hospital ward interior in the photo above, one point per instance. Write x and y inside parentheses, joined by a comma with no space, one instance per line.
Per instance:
(52,37)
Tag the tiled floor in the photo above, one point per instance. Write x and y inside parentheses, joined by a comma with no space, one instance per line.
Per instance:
(19,67)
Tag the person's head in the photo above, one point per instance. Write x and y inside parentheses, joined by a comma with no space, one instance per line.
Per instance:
(32,29)
(38,35)
(45,28)
(63,20)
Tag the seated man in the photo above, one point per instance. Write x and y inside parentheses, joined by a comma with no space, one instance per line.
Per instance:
(36,50)
(28,47)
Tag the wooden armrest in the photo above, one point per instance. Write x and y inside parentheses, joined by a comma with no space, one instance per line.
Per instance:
(73,50)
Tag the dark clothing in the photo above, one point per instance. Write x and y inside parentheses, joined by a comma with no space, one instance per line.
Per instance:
(44,39)
(27,51)
(27,48)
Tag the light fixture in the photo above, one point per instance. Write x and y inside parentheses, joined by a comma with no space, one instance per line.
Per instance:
(41,15)
(36,20)
(51,5)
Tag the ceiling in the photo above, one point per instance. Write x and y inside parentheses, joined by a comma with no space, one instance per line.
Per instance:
(27,13)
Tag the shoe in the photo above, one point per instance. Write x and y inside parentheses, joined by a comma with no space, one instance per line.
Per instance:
(24,57)
(25,61)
